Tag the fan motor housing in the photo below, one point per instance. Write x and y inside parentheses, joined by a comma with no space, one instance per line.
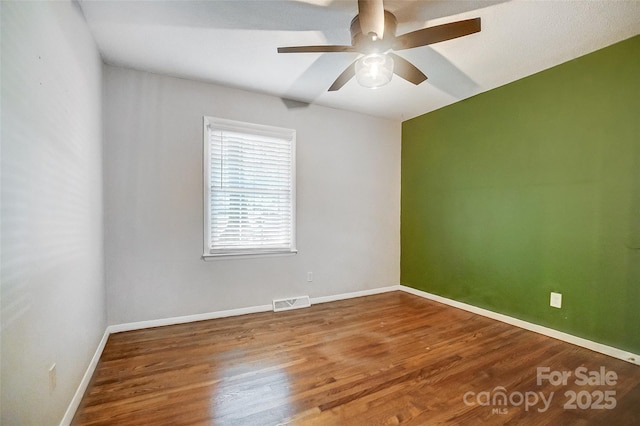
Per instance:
(370,43)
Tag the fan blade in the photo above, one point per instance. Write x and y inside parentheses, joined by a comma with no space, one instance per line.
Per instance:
(371,16)
(437,34)
(407,70)
(344,77)
(316,49)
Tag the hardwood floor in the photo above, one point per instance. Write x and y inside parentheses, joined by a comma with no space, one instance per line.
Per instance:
(387,359)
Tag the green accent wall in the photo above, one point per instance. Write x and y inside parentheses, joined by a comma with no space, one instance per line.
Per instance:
(530,188)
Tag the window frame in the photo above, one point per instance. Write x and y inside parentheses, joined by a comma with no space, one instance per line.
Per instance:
(256,130)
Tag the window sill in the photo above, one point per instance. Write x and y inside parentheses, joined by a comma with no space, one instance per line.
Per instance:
(207,257)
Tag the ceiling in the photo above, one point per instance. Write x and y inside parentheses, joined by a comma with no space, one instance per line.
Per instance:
(233,43)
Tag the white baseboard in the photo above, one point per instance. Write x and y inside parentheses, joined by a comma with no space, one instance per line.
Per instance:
(550,332)
(240,311)
(187,318)
(84,383)
(343,296)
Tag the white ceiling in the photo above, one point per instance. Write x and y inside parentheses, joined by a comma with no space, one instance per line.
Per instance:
(234,43)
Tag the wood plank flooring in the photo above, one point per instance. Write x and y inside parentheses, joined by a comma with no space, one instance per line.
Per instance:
(387,359)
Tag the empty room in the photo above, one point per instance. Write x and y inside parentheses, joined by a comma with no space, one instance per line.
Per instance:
(320,212)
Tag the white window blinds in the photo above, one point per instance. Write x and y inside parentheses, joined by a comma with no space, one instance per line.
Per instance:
(250,188)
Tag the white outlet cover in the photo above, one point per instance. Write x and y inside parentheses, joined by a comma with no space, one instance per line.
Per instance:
(556,300)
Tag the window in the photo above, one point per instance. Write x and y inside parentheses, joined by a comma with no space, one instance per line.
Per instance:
(249,182)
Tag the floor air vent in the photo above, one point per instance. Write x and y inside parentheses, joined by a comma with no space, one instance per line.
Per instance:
(292,303)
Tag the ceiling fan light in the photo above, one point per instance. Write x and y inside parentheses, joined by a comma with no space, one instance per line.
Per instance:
(374,70)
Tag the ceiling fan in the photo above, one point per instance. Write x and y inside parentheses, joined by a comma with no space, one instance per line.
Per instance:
(373,34)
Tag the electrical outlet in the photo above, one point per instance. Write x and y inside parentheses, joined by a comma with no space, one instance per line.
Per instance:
(309,277)
(556,300)
(52,377)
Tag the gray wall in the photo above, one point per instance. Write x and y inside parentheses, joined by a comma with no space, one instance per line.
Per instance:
(52,288)
(348,193)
